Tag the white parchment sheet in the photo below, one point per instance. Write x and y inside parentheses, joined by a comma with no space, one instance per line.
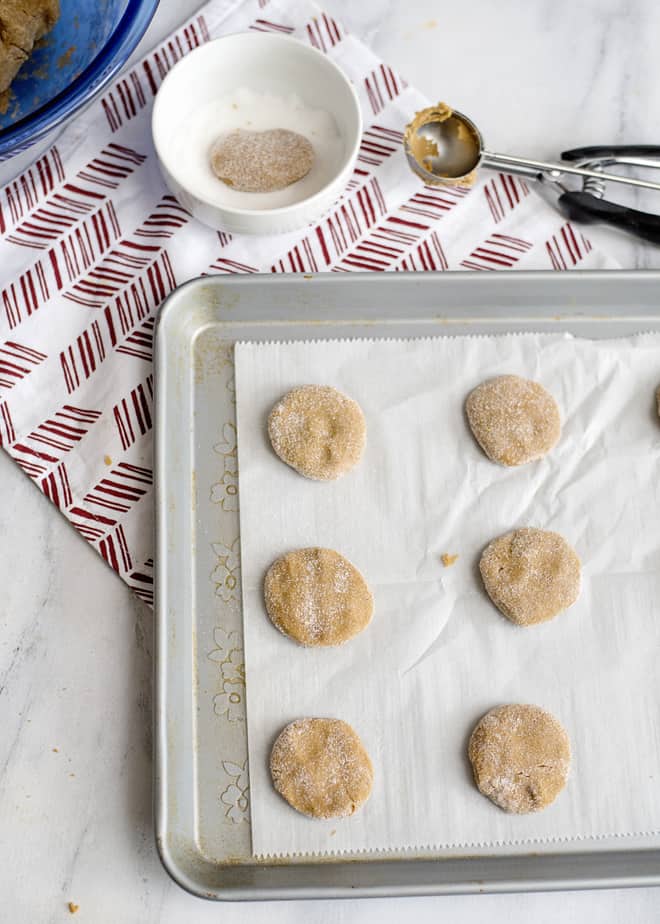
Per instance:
(437,654)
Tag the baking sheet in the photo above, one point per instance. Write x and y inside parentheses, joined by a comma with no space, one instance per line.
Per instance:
(202,818)
(438,655)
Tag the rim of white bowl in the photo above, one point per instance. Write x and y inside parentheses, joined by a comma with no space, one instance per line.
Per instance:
(261,37)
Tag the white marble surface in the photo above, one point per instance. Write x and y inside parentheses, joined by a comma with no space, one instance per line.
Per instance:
(75,647)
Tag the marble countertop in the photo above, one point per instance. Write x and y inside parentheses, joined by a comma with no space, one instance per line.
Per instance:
(76,646)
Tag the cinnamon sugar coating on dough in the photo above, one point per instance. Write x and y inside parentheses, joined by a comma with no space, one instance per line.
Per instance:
(317,597)
(321,768)
(318,431)
(531,575)
(514,420)
(265,161)
(520,757)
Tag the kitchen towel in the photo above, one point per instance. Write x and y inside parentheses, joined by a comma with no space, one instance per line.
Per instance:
(437,654)
(91,243)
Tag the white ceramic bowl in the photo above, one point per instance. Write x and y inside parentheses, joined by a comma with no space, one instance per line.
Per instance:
(263,63)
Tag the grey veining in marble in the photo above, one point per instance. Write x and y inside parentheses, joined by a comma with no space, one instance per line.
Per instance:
(75,646)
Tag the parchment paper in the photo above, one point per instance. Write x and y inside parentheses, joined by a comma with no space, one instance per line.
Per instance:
(437,654)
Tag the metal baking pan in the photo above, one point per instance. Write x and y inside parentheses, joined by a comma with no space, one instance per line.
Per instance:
(201,774)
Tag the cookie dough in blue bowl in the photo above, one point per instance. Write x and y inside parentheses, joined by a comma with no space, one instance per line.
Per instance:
(75,60)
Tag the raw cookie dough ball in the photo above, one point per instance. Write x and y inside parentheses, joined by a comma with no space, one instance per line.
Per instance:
(317,597)
(262,161)
(22,24)
(531,575)
(321,768)
(318,431)
(514,420)
(520,756)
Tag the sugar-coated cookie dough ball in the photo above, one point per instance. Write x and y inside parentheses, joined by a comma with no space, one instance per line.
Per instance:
(514,420)
(318,431)
(321,768)
(317,597)
(264,162)
(520,757)
(531,575)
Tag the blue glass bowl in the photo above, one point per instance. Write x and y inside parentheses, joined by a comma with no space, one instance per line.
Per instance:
(91,42)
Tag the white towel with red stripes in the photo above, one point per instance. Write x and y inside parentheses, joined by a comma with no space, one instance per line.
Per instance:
(91,242)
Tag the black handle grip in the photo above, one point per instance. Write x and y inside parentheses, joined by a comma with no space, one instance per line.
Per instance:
(623,150)
(582,206)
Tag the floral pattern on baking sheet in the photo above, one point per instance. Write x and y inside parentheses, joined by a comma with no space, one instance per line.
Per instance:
(235,797)
(229,655)
(227,573)
(233,668)
(230,701)
(228,441)
(225,491)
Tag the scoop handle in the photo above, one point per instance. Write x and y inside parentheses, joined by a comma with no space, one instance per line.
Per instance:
(582,206)
(597,151)
(508,163)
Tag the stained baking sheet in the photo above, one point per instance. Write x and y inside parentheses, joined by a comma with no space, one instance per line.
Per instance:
(202,778)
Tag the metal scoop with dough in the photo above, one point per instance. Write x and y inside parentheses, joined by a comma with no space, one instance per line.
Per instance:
(445,148)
